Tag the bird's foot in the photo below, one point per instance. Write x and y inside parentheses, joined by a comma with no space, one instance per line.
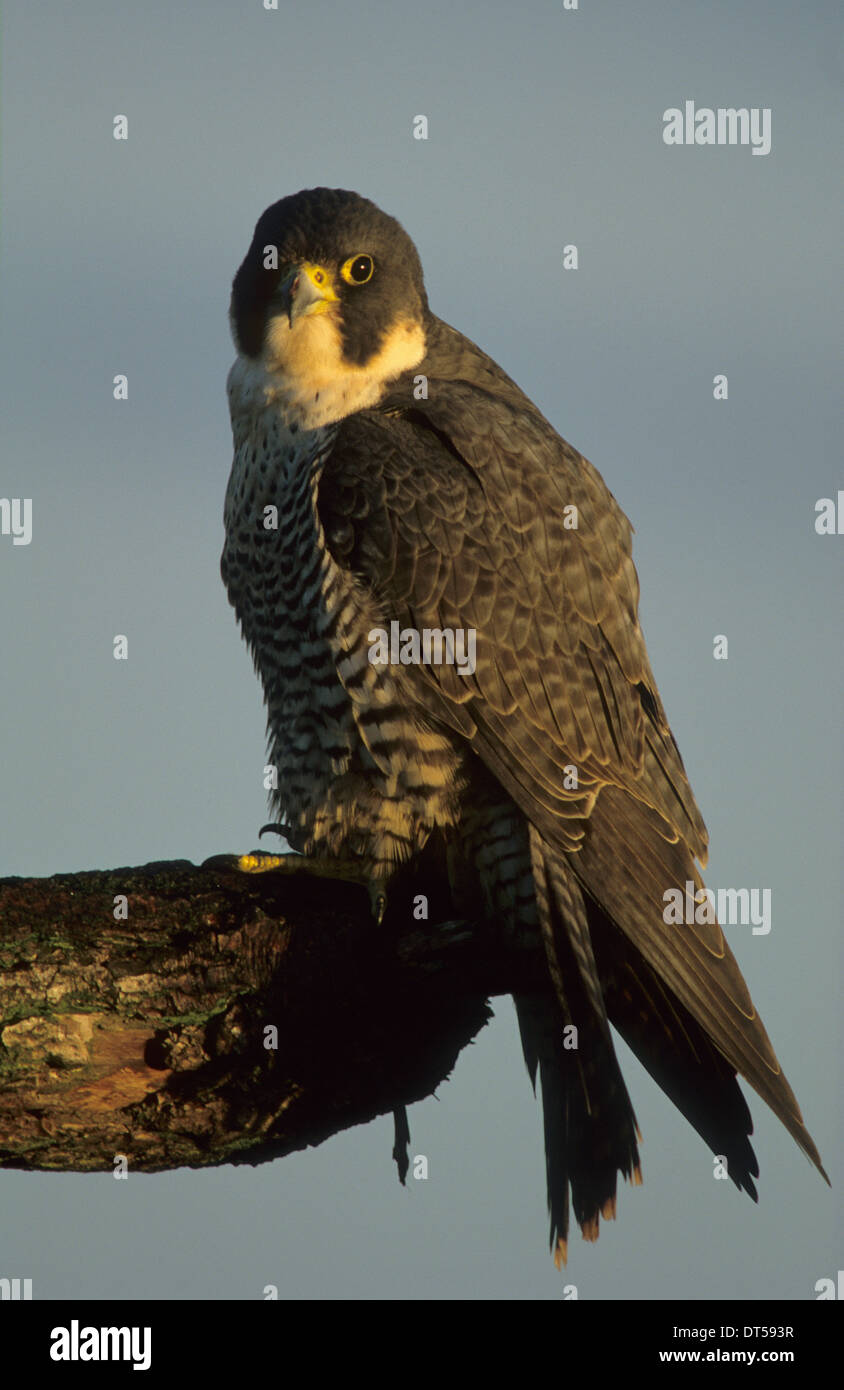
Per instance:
(258,861)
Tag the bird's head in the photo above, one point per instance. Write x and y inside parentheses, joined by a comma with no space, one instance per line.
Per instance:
(330,301)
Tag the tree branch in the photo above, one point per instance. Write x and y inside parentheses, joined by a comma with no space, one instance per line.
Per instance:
(228,1018)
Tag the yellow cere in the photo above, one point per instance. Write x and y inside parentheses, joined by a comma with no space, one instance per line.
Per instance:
(320,278)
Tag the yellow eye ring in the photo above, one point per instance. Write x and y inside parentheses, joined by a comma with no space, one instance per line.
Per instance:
(357,270)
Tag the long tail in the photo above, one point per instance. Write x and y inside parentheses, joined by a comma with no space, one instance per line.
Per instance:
(590,1127)
(686,974)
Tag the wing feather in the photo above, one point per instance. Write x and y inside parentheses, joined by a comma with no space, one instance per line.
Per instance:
(477,494)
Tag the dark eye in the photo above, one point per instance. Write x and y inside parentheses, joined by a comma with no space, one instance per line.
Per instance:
(357,270)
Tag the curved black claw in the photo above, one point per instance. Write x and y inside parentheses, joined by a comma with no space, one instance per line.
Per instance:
(287,832)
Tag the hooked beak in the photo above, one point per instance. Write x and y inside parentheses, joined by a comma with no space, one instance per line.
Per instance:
(306,289)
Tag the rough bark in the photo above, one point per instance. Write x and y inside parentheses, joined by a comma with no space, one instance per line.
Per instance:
(151,1037)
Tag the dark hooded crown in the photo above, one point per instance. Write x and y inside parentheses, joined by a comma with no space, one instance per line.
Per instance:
(326,226)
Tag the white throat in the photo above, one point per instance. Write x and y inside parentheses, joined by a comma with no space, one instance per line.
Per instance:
(308,380)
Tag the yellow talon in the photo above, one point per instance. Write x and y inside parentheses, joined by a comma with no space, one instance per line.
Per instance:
(261,863)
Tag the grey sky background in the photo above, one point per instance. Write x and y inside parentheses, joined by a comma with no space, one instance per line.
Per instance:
(544,129)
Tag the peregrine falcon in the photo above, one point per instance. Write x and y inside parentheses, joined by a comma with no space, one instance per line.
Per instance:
(389,477)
